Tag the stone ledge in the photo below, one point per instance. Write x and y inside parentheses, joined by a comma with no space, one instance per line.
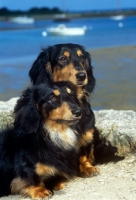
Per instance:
(8,105)
(117,126)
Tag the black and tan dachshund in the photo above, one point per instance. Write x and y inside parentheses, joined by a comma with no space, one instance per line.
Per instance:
(64,62)
(41,151)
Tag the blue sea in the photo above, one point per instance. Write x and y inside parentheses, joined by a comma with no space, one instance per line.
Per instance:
(19,45)
(102,32)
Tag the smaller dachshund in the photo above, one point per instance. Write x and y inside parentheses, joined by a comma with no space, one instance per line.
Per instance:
(41,151)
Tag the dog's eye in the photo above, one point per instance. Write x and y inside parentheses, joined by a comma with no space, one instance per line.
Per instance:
(62,58)
(54,98)
(82,57)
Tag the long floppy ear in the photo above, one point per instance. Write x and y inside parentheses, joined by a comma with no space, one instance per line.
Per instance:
(41,71)
(27,118)
(91,80)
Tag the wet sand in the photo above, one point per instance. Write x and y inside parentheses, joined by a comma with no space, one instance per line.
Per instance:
(115,72)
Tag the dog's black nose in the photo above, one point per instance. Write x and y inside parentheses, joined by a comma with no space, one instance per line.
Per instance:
(81,76)
(76,113)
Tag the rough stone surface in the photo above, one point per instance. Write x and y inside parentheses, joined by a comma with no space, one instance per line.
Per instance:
(8,105)
(6,112)
(118,127)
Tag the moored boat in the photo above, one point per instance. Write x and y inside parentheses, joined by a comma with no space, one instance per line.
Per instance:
(66,31)
(22,20)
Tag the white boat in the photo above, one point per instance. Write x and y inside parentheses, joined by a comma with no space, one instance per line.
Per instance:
(22,20)
(61,18)
(118,17)
(62,30)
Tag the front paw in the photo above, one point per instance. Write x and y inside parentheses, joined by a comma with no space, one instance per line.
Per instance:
(37,192)
(87,170)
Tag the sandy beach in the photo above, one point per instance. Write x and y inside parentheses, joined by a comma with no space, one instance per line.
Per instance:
(114,69)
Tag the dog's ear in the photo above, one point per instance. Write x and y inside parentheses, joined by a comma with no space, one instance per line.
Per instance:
(41,71)
(91,80)
(26,113)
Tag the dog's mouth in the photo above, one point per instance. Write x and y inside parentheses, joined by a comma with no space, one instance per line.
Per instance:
(82,83)
(68,122)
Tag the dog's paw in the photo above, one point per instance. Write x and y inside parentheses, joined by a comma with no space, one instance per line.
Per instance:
(87,170)
(43,194)
(38,193)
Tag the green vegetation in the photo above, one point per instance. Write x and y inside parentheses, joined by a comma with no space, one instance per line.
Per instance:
(32,11)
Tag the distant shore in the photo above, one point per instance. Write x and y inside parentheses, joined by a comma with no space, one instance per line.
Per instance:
(114,70)
(44,15)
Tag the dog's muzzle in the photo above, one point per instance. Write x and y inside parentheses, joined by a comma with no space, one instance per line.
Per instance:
(81,76)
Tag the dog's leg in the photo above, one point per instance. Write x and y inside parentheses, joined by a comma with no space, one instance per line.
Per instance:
(24,188)
(86,155)
(59,186)
(86,168)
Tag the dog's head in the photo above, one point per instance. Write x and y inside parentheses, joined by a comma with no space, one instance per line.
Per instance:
(64,62)
(43,104)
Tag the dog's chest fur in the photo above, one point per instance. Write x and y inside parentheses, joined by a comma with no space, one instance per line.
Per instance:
(62,135)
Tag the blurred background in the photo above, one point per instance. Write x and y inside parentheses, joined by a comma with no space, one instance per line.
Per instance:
(107,29)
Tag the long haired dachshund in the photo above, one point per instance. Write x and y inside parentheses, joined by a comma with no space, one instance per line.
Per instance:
(64,62)
(71,62)
(40,152)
